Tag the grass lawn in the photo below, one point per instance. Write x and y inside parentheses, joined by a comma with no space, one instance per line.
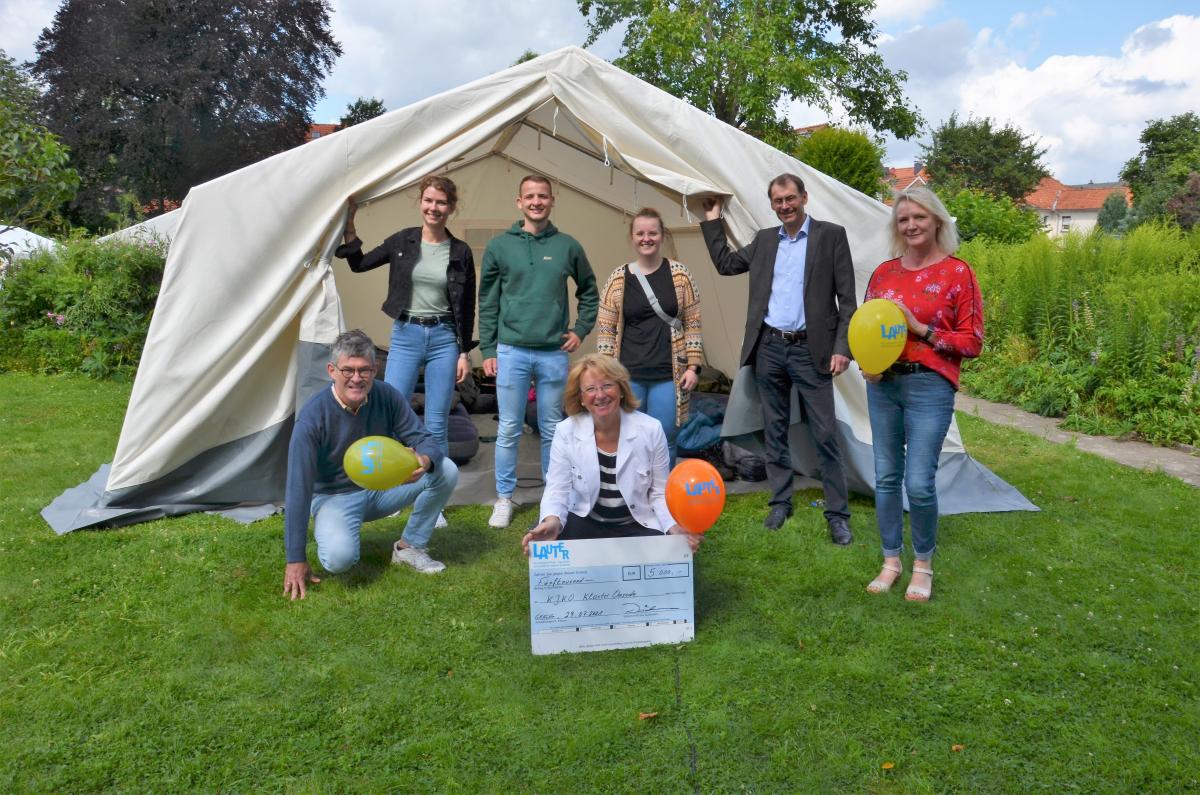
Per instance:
(1059,653)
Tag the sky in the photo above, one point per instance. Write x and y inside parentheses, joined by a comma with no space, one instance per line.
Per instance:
(1081,77)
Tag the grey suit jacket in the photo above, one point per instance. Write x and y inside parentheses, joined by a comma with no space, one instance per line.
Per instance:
(829,295)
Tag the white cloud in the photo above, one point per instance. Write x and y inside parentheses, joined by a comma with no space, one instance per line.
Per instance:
(903,10)
(1087,110)
(401,51)
(21,22)
(1025,19)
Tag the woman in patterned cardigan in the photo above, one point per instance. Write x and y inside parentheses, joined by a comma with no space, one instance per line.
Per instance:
(664,358)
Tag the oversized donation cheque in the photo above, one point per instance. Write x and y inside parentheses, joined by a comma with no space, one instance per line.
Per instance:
(610,593)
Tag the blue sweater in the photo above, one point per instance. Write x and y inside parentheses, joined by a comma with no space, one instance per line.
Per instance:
(322,432)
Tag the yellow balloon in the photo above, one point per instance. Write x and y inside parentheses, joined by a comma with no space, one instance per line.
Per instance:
(877,334)
(379,462)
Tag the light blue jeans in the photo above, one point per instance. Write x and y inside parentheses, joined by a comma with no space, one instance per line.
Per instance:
(339,517)
(436,349)
(910,415)
(516,369)
(657,398)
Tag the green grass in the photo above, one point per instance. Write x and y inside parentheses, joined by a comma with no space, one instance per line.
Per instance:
(1060,649)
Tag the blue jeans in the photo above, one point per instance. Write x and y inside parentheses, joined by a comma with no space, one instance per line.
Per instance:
(338,517)
(910,415)
(516,368)
(435,348)
(657,399)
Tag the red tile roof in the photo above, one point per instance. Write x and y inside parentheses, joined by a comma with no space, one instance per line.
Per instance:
(321,131)
(904,177)
(1053,195)
(804,132)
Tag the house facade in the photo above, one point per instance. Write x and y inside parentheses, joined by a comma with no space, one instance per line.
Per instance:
(1071,208)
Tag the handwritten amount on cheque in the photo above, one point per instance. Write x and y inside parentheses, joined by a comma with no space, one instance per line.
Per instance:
(628,607)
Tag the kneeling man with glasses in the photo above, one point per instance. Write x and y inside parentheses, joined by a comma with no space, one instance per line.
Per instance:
(317,485)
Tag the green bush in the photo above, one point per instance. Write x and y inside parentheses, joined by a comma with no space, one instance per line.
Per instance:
(85,306)
(1103,331)
(996,218)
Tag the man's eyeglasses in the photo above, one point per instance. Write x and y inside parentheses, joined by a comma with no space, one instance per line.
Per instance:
(361,372)
(607,386)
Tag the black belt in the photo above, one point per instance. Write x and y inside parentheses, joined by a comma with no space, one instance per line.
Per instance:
(787,336)
(424,320)
(908,368)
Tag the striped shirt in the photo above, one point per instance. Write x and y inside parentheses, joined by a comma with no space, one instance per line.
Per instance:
(610,507)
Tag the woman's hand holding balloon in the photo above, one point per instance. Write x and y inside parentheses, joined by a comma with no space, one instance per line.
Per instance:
(693,539)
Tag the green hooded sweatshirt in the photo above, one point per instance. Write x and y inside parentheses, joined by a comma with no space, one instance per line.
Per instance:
(523,290)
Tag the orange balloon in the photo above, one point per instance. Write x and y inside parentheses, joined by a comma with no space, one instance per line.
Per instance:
(695,494)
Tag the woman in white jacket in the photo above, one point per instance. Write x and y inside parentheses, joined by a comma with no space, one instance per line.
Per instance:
(608,463)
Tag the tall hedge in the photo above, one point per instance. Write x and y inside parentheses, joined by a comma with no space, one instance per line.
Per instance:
(1102,330)
(85,306)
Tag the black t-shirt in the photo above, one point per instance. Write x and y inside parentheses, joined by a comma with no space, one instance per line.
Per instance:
(646,340)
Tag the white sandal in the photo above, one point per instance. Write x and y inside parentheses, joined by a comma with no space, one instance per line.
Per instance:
(879,585)
(917,593)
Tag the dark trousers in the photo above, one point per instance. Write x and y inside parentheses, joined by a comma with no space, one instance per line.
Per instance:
(584,527)
(778,366)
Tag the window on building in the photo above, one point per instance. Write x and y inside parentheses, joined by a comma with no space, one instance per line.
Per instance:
(1066,223)
(316,134)
(1045,222)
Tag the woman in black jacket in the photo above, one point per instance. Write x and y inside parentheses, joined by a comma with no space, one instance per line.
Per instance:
(431,295)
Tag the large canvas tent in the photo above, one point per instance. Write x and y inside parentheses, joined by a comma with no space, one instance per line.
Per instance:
(251,297)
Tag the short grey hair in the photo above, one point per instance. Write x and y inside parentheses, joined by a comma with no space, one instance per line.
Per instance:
(947,230)
(352,345)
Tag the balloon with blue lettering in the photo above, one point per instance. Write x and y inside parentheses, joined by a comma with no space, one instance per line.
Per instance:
(695,494)
(877,334)
(379,462)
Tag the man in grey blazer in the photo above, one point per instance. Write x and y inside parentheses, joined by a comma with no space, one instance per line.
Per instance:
(801,300)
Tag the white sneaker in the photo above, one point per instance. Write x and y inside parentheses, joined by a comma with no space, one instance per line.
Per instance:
(417,558)
(441,522)
(501,513)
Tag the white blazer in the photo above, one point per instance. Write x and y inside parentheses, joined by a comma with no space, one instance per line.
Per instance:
(573,479)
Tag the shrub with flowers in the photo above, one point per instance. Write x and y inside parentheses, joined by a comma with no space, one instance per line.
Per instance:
(1099,330)
(84,307)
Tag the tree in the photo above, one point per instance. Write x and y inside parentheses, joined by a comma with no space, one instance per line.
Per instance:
(35,180)
(846,155)
(980,214)
(360,110)
(155,96)
(1113,213)
(1184,206)
(1170,153)
(1002,161)
(528,55)
(741,60)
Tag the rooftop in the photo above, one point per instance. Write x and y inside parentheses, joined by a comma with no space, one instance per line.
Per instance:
(1053,195)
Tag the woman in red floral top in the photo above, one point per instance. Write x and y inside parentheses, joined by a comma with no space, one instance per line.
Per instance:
(912,402)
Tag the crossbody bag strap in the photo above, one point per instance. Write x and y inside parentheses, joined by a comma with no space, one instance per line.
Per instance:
(675,323)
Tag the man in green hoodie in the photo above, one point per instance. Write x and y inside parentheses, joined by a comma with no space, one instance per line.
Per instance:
(525,333)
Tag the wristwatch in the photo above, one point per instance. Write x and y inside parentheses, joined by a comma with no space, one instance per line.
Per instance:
(928,335)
